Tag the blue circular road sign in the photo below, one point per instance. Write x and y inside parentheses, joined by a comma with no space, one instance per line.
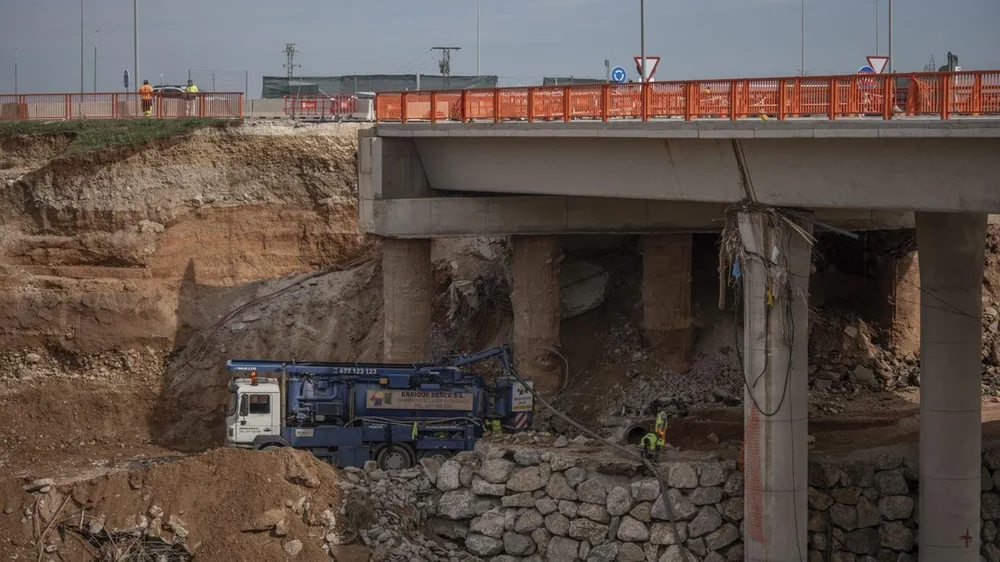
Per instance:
(619,75)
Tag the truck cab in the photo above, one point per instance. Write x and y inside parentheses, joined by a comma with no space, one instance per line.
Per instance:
(254,410)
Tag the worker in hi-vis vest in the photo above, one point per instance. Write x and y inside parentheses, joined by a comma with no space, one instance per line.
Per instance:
(191,90)
(146,93)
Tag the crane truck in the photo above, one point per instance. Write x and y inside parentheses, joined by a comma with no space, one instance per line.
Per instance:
(395,414)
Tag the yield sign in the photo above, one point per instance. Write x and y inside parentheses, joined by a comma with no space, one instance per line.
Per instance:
(878,63)
(651,64)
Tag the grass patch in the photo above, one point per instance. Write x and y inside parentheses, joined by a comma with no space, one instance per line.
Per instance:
(93,135)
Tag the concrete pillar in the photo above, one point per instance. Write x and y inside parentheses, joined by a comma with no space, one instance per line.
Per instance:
(535,299)
(952,248)
(407,284)
(905,331)
(666,297)
(775,364)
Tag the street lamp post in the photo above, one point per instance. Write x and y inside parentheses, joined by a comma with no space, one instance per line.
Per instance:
(135,42)
(479,6)
(96,32)
(876,28)
(890,36)
(642,40)
(81,46)
(802,68)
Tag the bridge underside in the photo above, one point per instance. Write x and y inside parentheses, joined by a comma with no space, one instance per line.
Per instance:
(667,180)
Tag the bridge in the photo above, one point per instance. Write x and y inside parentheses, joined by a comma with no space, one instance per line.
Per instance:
(765,161)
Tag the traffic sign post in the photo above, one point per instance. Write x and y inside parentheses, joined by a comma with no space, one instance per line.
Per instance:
(650,70)
(126,80)
(619,75)
(877,63)
(867,82)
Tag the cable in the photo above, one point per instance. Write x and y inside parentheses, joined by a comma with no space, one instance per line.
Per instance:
(623,450)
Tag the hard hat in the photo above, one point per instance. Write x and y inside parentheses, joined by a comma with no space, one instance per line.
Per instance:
(145,81)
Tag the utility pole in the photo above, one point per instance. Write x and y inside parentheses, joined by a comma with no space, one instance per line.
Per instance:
(642,39)
(445,63)
(81,46)
(135,42)
(96,32)
(290,60)
(15,70)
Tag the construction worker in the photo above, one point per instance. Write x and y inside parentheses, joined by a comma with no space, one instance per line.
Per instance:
(652,444)
(146,93)
(661,428)
(191,90)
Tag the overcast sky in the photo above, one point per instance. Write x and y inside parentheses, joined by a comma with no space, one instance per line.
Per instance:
(522,40)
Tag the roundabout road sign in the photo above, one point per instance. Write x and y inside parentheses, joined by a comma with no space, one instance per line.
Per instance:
(619,75)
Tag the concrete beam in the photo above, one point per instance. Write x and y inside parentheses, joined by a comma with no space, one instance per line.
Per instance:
(849,173)
(540,215)
(389,168)
(952,252)
(707,128)
(776,397)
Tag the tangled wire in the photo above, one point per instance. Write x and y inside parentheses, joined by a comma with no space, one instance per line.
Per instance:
(129,546)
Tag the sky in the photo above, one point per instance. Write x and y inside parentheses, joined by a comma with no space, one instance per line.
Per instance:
(521,40)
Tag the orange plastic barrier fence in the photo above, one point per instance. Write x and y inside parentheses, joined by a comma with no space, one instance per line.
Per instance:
(224,105)
(945,95)
(320,106)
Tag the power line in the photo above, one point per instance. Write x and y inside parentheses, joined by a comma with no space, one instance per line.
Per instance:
(290,59)
(445,64)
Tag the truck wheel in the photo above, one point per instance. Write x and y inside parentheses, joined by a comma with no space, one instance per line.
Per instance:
(270,447)
(439,455)
(397,457)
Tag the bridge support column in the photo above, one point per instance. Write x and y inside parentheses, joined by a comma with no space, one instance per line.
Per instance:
(776,404)
(407,284)
(952,247)
(666,297)
(535,300)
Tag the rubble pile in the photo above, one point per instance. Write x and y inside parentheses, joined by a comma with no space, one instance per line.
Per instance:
(387,511)
(649,386)
(227,504)
(845,357)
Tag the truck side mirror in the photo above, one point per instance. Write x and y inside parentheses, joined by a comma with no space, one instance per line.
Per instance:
(244,405)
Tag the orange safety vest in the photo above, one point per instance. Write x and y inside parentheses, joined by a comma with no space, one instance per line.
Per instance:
(146,91)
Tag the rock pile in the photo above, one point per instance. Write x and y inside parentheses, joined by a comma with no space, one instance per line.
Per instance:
(386,511)
(845,357)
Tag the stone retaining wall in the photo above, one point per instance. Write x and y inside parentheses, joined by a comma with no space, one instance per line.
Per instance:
(507,505)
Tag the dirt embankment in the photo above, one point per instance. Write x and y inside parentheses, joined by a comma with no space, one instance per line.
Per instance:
(112,261)
(94,247)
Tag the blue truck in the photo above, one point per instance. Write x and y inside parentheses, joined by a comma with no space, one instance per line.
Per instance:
(395,414)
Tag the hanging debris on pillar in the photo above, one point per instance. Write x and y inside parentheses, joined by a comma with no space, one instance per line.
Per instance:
(733,255)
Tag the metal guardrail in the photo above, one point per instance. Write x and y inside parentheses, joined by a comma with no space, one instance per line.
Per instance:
(945,95)
(222,105)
